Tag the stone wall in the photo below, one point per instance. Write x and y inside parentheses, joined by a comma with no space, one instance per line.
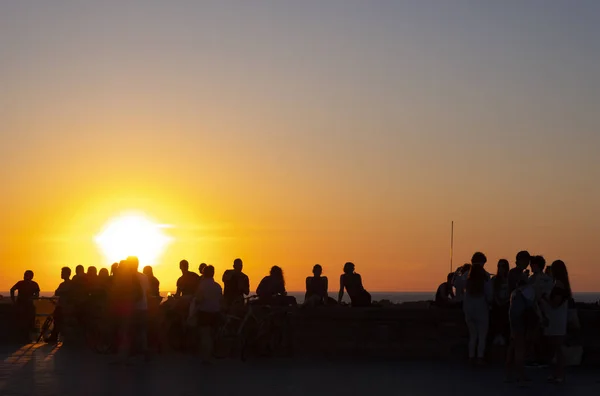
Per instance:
(419,333)
(407,331)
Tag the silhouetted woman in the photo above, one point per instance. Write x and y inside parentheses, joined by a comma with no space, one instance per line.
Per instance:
(154,283)
(103,278)
(500,325)
(91,278)
(352,282)
(556,310)
(103,282)
(476,308)
(271,289)
(316,288)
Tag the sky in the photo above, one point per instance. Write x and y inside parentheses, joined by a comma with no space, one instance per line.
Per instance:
(295,133)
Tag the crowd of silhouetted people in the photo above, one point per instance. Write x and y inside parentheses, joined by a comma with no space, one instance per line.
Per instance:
(131,297)
(526,309)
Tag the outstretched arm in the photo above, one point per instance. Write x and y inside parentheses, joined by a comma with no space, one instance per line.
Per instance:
(12,291)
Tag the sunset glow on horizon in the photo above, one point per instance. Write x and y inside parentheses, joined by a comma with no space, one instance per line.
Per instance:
(297,133)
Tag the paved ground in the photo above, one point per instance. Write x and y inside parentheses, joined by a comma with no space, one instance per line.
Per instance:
(47,370)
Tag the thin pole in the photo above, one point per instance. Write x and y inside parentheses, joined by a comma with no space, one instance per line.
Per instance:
(451,244)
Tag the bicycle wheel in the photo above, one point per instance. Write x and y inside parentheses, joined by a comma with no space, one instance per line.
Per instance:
(227,340)
(100,338)
(45,328)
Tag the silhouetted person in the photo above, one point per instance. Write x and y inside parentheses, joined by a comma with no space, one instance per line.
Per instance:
(556,310)
(444,295)
(26,290)
(476,307)
(140,309)
(499,324)
(154,283)
(114,268)
(542,283)
(538,350)
(271,289)
(548,271)
(154,300)
(188,282)
(126,291)
(92,272)
(522,302)
(206,308)
(80,286)
(103,280)
(236,284)
(352,282)
(460,282)
(93,283)
(201,268)
(481,260)
(79,273)
(63,293)
(516,274)
(316,288)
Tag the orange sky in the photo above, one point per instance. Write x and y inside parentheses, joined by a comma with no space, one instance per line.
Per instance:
(352,133)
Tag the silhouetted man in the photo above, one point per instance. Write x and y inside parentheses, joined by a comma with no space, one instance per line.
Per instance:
(206,307)
(188,282)
(63,293)
(201,270)
(140,312)
(26,290)
(480,259)
(516,274)
(237,284)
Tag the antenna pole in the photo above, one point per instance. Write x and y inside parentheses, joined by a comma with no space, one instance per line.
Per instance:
(451,244)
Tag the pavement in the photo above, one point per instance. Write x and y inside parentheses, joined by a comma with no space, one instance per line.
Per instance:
(39,369)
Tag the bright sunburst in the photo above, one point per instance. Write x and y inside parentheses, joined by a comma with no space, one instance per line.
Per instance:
(133,235)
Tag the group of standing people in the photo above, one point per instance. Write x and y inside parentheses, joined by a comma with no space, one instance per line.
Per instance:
(132,297)
(526,308)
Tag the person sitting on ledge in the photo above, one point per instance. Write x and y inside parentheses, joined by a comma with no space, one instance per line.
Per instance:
(316,288)
(271,289)
(444,296)
(352,282)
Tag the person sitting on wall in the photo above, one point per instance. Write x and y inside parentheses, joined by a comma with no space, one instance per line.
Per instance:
(316,288)
(352,283)
(444,296)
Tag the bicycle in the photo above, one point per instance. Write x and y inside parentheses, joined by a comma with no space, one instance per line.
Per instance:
(100,331)
(264,334)
(228,337)
(173,329)
(46,327)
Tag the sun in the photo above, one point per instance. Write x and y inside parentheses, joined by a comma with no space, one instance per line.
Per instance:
(133,234)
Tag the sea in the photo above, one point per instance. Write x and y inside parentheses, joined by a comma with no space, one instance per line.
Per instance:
(394,297)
